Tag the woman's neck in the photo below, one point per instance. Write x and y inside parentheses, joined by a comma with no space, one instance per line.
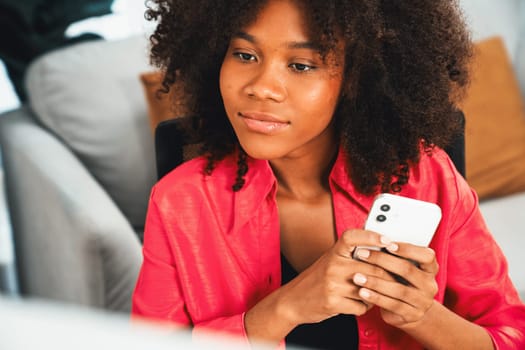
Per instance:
(305,176)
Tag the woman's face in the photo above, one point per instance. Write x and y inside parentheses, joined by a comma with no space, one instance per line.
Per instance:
(278,92)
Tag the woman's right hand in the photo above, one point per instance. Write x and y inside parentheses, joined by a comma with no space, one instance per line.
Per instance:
(323,290)
(326,288)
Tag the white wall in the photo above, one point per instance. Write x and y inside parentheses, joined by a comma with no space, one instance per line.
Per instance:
(489,17)
(8,98)
(500,18)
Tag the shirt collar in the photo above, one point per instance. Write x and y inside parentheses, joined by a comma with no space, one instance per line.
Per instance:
(261,185)
(340,181)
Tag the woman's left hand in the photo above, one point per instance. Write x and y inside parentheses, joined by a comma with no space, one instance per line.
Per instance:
(402,305)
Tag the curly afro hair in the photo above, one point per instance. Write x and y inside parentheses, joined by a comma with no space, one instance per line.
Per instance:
(405,70)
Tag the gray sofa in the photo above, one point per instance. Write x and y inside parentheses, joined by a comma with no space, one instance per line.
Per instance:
(79,164)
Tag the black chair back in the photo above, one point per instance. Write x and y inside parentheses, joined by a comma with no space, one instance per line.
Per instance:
(175,142)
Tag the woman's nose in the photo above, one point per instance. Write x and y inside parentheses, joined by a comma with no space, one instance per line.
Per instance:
(267,83)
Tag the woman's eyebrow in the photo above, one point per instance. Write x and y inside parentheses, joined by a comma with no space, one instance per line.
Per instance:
(245,36)
(303,45)
(291,45)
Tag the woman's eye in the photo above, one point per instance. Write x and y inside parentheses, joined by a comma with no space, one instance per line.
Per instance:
(245,57)
(300,67)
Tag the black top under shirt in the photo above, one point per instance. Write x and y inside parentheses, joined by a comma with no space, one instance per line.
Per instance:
(338,332)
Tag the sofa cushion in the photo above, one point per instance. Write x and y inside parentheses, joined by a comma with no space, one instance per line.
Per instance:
(495,124)
(90,96)
(504,219)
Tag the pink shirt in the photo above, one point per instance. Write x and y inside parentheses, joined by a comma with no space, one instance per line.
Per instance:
(210,254)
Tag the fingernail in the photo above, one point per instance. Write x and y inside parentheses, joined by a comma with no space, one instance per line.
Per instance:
(364,293)
(392,247)
(363,253)
(385,240)
(359,278)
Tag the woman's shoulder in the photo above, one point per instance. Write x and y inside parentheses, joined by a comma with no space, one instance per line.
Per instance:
(191,181)
(436,176)
(189,192)
(435,179)
(436,163)
(190,178)
(185,173)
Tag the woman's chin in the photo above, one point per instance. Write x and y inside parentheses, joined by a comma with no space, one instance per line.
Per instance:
(263,152)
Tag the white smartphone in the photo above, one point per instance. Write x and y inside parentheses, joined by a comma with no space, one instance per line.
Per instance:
(403,219)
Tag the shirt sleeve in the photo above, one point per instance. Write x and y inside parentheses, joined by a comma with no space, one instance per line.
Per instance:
(478,287)
(159,293)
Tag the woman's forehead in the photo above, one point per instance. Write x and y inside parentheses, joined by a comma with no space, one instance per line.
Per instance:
(296,15)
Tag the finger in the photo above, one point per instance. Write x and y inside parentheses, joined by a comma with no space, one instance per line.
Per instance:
(395,298)
(369,269)
(404,311)
(424,256)
(351,291)
(393,290)
(351,306)
(350,239)
(387,261)
(347,288)
(353,294)
(358,310)
(396,265)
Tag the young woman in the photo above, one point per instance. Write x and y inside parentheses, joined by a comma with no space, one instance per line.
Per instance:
(308,109)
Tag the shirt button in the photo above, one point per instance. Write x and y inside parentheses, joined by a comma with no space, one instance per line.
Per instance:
(369,332)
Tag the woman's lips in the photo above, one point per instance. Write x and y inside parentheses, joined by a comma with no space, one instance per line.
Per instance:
(263,123)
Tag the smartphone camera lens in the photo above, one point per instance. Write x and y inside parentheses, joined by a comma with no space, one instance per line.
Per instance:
(385,207)
(381,218)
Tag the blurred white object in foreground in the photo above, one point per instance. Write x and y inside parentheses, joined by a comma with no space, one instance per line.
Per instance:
(38,325)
